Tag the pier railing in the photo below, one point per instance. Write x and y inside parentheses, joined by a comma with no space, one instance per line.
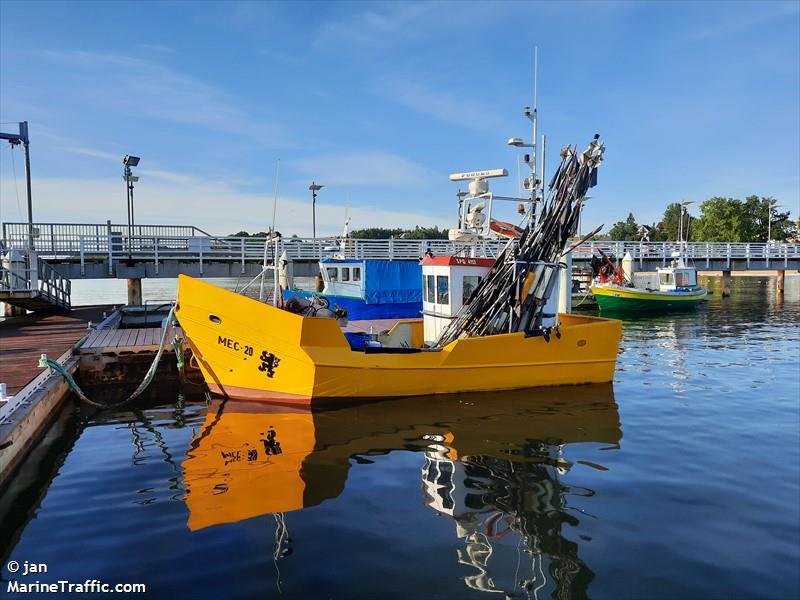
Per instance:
(161,243)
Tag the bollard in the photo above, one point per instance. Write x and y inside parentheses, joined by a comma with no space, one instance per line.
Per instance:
(779,282)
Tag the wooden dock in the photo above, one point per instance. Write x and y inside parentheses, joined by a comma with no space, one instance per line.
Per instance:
(122,340)
(23,339)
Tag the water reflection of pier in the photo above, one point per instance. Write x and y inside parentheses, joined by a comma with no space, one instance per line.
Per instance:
(492,462)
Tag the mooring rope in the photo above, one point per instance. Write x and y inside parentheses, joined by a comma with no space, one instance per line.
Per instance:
(180,361)
(148,377)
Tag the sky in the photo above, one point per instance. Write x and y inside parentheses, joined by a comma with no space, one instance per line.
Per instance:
(380,102)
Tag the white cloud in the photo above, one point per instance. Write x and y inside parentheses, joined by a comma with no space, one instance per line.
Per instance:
(381,25)
(214,207)
(457,109)
(93,153)
(376,168)
(165,175)
(147,88)
(741,18)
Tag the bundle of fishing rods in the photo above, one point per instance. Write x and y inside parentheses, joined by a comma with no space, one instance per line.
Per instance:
(513,295)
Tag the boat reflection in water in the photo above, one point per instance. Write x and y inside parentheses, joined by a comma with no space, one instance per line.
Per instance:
(493,463)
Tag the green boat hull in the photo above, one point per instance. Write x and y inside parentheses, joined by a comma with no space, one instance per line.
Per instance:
(636,305)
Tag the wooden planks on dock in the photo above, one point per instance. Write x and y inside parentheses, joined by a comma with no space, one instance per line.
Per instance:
(125,340)
(23,339)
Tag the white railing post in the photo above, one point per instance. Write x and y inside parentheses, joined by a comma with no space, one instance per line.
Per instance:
(708,255)
(155,252)
(728,255)
(110,249)
(242,250)
(83,264)
(33,276)
(663,254)
(391,248)
(201,259)
(747,254)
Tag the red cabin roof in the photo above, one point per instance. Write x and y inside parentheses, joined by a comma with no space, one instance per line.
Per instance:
(458,261)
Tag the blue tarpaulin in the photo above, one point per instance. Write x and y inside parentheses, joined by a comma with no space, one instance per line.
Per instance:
(392,281)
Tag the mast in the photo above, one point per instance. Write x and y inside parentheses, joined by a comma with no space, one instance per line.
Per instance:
(534,117)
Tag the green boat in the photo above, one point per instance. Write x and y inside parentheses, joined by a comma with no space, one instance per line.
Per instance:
(677,290)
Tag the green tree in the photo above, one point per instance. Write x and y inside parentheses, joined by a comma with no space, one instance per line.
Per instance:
(721,220)
(625,230)
(418,233)
(425,233)
(375,233)
(734,220)
(669,228)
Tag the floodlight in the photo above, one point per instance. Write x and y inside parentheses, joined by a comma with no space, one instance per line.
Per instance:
(130,161)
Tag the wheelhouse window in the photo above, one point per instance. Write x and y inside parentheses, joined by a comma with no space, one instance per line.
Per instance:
(345,273)
(665,278)
(356,273)
(470,283)
(333,274)
(685,279)
(430,288)
(442,289)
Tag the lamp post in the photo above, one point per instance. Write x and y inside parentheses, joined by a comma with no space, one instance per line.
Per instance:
(129,161)
(22,138)
(684,211)
(314,187)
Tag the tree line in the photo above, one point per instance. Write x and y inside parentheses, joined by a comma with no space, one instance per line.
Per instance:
(720,220)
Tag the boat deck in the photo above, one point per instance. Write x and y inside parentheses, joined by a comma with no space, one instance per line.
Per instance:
(376,325)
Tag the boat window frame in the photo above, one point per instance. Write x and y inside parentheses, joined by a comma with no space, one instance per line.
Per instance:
(356,272)
(442,293)
(333,273)
(345,274)
(666,278)
(465,283)
(430,288)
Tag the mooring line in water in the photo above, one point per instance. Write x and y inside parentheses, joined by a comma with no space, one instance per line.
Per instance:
(45,362)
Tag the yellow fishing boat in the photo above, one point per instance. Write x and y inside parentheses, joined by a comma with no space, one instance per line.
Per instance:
(246,349)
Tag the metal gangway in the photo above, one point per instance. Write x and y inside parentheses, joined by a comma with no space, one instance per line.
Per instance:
(29,282)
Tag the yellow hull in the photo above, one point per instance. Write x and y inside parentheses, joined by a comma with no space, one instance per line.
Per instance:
(250,350)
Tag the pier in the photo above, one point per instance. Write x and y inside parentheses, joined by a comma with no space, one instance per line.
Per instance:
(67,251)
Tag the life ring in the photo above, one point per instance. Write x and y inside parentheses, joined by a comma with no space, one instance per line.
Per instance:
(508,230)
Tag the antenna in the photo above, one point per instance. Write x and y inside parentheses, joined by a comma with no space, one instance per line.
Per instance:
(266,241)
(535,113)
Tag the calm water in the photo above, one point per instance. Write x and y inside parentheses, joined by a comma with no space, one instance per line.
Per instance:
(682,480)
